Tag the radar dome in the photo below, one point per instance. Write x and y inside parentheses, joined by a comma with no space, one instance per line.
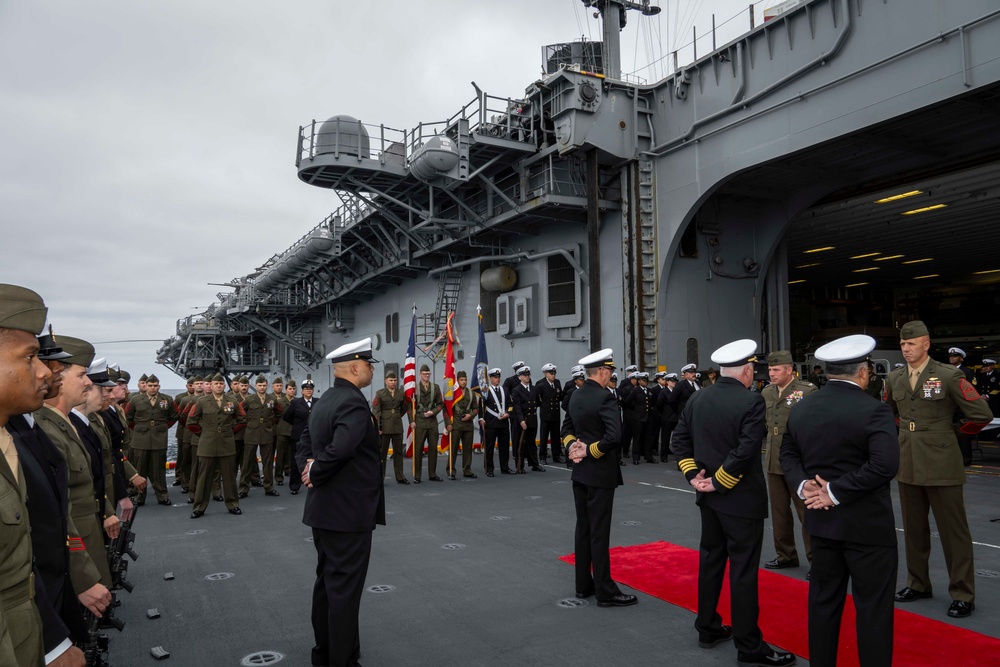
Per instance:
(343,134)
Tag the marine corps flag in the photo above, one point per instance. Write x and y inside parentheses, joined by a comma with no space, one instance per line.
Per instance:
(450,384)
(480,381)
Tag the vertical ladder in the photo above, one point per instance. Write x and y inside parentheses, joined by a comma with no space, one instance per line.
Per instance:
(449,287)
(648,265)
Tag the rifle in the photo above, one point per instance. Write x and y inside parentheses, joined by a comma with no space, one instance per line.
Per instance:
(95,649)
(118,549)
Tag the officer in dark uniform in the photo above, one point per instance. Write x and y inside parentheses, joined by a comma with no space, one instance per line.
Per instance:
(956,357)
(549,399)
(925,395)
(494,419)
(524,398)
(668,414)
(685,389)
(508,385)
(630,385)
(346,499)
(987,382)
(298,416)
(655,417)
(576,380)
(635,407)
(590,432)
(717,443)
(839,453)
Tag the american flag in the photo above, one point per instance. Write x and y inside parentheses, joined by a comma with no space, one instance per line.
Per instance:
(410,378)
(410,366)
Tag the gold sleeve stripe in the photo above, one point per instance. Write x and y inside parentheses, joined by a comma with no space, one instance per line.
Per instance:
(726,479)
(687,465)
(595,451)
(569,439)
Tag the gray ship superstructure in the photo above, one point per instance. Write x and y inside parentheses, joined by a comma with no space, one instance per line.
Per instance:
(735,198)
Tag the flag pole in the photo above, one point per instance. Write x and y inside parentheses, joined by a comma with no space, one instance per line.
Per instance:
(413,403)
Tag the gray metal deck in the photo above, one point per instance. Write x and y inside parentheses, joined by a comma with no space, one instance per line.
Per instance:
(494,601)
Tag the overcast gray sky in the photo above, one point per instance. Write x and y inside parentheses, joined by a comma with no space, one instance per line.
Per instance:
(147,148)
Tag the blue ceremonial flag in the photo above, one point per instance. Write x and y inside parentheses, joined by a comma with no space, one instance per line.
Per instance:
(482,363)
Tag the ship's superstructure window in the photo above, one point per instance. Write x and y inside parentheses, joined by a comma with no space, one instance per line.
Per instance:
(562,291)
(392,328)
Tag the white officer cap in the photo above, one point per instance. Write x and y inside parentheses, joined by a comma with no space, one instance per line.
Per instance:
(660,374)
(847,350)
(989,362)
(738,353)
(690,368)
(98,373)
(643,375)
(599,359)
(361,349)
(517,364)
(495,372)
(549,368)
(631,368)
(614,377)
(671,376)
(579,374)
(576,369)
(524,370)
(633,374)
(956,351)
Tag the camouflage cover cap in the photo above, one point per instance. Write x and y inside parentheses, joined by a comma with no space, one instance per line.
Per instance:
(779,358)
(914,329)
(22,309)
(81,352)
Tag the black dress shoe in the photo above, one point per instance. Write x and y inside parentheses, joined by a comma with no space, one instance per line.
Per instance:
(620,600)
(583,595)
(780,564)
(256,484)
(416,480)
(909,595)
(243,495)
(177,482)
(506,471)
(197,514)
(451,477)
(766,657)
(272,492)
(960,609)
(402,481)
(186,489)
(537,469)
(622,463)
(218,499)
(490,474)
(470,475)
(294,493)
(165,501)
(236,510)
(650,460)
(544,461)
(435,478)
(710,639)
(280,482)
(520,472)
(635,462)
(190,501)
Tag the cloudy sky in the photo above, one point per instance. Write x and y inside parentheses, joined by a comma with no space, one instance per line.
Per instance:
(147,148)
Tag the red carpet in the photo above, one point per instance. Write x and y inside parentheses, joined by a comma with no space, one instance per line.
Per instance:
(670,572)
